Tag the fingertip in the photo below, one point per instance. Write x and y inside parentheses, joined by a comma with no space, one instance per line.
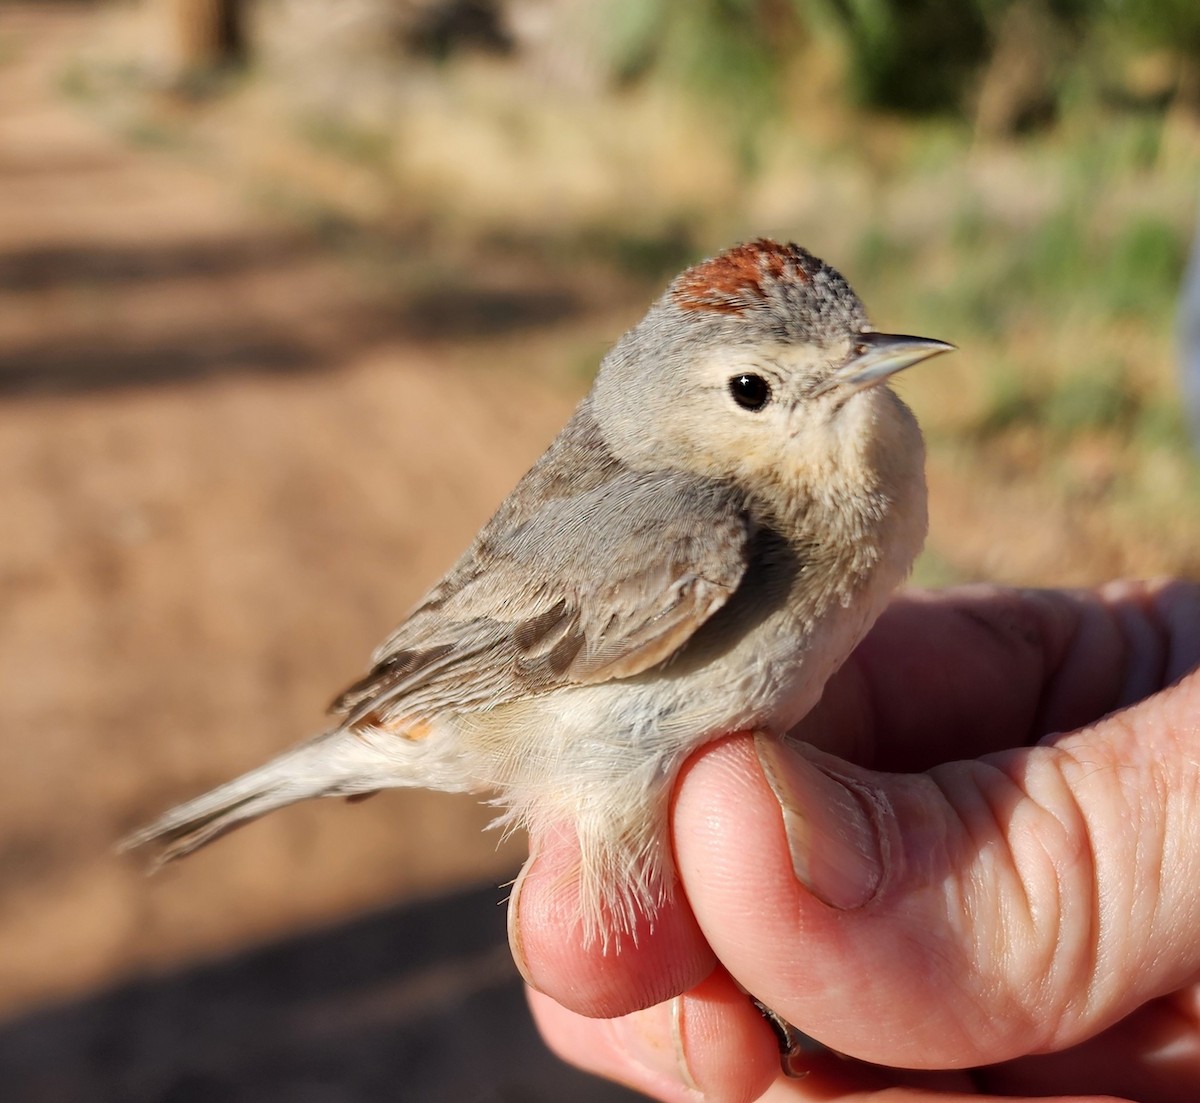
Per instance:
(729,1051)
(729,836)
(708,1043)
(732,854)
(665,955)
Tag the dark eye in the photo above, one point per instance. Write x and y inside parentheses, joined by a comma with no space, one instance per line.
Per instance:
(750,392)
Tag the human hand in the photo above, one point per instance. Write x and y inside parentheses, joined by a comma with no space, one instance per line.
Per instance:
(1018,906)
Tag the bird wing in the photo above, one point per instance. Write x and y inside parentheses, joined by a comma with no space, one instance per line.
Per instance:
(599,585)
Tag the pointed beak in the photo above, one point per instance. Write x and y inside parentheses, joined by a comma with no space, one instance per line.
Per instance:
(878,356)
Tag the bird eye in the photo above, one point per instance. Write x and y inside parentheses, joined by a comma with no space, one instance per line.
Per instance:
(750,392)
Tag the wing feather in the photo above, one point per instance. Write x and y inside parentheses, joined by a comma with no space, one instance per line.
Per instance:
(602,585)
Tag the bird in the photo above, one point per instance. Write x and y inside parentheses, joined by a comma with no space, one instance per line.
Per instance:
(720,521)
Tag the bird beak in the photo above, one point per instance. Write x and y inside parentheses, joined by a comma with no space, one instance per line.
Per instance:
(878,356)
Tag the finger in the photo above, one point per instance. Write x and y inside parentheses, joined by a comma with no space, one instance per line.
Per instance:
(708,1043)
(711,1044)
(1152,1055)
(962,672)
(660,959)
(982,912)
(1176,606)
(843,1089)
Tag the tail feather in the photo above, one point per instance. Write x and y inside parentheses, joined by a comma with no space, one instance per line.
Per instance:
(313,769)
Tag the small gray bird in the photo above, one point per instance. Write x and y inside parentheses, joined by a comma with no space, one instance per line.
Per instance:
(703,544)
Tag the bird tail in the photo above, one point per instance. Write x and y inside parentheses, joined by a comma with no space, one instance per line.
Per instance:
(329,765)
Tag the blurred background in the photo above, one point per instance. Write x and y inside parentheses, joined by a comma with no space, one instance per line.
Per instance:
(292,291)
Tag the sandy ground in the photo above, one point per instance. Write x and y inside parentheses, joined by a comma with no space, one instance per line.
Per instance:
(226,470)
(227,466)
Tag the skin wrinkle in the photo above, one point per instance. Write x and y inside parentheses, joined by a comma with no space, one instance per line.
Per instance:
(1132,782)
(986,988)
(1054,658)
(1023,915)
(1075,856)
(1002,634)
(1037,638)
(1025,1017)
(1096,637)
(1158,918)
(1145,636)
(1086,956)
(1178,794)
(1045,629)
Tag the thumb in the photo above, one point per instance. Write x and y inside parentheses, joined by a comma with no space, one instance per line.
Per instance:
(984,910)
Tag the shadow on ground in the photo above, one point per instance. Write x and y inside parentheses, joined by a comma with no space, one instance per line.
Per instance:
(418,1004)
(243,313)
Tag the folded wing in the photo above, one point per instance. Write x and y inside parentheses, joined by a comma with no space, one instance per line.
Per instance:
(601,585)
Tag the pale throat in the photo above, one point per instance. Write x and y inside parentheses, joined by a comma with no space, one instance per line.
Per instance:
(857,483)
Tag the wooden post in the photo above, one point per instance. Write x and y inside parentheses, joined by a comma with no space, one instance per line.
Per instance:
(201,35)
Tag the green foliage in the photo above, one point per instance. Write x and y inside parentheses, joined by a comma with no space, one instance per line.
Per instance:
(150,134)
(653,257)
(914,56)
(1169,24)
(1011,403)
(1145,267)
(731,52)
(1108,148)
(1095,398)
(1160,425)
(879,254)
(1055,256)
(1071,262)
(909,55)
(351,142)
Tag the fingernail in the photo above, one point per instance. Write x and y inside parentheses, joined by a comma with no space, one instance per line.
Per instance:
(515,944)
(833,843)
(654,1039)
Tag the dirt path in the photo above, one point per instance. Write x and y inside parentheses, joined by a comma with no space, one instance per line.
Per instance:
(227,468)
